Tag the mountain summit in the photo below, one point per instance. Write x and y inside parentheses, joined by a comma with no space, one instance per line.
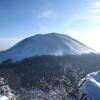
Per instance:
(45,44)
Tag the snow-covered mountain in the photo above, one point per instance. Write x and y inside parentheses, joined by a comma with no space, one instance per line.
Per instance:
(45,44)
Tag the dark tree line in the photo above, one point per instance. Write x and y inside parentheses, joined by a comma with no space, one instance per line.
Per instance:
(28,72)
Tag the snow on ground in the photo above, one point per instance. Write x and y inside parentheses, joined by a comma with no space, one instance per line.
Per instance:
(3,97)
(91,86)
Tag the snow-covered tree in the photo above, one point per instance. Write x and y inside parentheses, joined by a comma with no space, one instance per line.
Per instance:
(5,91)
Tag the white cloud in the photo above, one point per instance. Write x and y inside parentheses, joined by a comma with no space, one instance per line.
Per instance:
(95,11)
(93,18)
(47,13)
(95,8)
(96,4)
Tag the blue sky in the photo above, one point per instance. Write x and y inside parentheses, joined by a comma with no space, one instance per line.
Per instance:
(23,18)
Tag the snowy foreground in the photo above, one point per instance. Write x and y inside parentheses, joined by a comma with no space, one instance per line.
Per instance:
(7,97)
(4,97)
(89,90)
(91,86)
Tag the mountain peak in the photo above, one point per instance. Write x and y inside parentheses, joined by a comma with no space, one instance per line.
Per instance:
(45,44)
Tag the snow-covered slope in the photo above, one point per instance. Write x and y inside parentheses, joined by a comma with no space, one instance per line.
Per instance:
(3,97)
(91,86)
(45,44)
